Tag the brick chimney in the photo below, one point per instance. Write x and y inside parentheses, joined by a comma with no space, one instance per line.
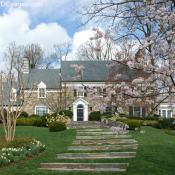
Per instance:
(26,65)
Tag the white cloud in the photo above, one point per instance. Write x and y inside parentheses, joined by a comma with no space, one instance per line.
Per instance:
(15,27)
(79,39)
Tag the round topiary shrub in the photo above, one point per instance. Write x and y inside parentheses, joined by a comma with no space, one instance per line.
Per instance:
(95,116)
(57,126)
(24,114)
(41,122)
(67,113)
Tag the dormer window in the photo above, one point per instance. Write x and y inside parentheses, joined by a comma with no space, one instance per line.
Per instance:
(41,90)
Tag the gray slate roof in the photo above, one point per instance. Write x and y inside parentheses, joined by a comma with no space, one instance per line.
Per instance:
(49,76)
(94,71)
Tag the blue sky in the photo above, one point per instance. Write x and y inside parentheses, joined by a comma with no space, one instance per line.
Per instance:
(63,12)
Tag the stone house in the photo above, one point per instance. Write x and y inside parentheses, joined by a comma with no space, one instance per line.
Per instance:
(76,81)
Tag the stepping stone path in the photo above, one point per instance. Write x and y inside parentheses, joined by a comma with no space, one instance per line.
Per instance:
(96,144)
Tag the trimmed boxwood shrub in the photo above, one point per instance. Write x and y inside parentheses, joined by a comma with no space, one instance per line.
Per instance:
(95,116)
(57,126)
(67,113)
(133,124)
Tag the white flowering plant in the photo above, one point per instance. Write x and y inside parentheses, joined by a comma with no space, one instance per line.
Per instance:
(13,153)
(57,118)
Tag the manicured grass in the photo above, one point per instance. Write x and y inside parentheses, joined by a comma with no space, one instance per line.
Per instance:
(155,155)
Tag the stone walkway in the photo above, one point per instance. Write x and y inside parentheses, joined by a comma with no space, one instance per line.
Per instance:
(96,144)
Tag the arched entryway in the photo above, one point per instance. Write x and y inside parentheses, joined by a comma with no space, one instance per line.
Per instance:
(80,110)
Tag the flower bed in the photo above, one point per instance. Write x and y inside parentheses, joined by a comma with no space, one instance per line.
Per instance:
(16,150)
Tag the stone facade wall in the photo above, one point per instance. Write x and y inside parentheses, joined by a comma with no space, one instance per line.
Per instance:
(32,100)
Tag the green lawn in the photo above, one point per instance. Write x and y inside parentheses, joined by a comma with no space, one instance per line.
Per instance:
(155,155)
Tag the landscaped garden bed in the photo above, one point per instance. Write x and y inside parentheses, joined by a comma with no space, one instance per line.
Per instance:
(19,149)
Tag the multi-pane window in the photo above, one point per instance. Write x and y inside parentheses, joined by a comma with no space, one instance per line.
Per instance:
(165,113)
(137,111)
(80,93)
(42,93)
(41,110)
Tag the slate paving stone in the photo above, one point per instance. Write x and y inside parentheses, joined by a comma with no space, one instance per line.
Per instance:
(102,155)
(96,137)
(79,133)
(104,141)
(97,167)
(104,147)
(92,130)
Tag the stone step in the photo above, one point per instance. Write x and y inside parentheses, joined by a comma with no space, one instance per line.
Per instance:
(97,133)
(102,137)
(92,130)
(89,167)
(103,147)
(87,124)
(102,155)
(102,142)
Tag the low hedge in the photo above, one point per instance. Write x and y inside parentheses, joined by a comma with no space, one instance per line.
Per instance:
(39,121)
(30,121)
(165,123)
(57,126)
(133,124)
(149,122)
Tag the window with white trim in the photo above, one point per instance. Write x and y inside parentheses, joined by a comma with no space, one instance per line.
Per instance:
(137,111)
(41,110)
(41,90)
(165,113)
(81,91)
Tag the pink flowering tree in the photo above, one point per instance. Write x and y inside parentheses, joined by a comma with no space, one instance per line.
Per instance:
(152,24)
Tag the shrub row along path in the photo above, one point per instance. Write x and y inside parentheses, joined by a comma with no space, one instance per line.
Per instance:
(93,149)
